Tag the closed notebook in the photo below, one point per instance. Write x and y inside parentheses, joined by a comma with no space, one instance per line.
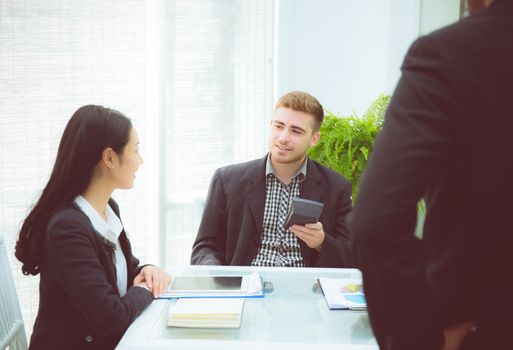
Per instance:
(215,286)
(206,313)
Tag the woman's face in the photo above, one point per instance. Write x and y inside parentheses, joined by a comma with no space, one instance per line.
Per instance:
(127,164)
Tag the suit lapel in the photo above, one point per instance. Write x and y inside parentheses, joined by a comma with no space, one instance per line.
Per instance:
(255,192)
(313,187)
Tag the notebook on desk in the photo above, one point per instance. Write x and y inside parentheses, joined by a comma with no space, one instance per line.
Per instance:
(208,284)
(206,313)
(215,286)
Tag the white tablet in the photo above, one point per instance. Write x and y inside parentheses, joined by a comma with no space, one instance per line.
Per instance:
(210,284)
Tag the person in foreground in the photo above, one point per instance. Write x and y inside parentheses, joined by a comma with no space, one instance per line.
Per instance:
(244,216)
(91,286)
(446,138)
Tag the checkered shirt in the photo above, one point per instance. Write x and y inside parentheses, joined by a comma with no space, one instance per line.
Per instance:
(279,246)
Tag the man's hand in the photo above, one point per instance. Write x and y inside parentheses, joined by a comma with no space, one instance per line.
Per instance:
(156,279)
(311,234)
(455,335)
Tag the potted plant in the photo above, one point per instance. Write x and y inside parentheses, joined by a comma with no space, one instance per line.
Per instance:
(346,142)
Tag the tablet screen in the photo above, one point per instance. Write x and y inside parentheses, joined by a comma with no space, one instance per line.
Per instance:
(206,283)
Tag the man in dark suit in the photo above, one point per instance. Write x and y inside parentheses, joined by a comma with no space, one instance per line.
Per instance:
(446,138)
(244,216)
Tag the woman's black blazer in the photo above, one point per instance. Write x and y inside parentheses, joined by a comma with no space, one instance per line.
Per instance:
(79,305)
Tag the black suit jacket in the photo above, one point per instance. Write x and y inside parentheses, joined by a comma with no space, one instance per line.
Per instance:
(447,138)
(231,227)
(79,303)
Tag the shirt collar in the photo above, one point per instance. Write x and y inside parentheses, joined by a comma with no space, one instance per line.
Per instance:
(110,229)
(269,168)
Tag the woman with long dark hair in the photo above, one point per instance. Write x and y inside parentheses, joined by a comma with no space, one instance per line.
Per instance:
(91,286)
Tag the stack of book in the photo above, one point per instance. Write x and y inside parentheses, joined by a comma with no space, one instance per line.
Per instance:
(206,313)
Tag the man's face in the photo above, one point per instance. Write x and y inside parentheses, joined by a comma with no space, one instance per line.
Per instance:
(291,135)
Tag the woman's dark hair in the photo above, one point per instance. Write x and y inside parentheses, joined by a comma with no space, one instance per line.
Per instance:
(88,133)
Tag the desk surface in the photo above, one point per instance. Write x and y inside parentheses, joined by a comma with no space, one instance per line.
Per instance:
(293,316)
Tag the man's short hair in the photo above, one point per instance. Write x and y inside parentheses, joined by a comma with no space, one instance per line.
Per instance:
(301,101)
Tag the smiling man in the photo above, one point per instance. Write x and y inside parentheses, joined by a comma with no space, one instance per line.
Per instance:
(244,216)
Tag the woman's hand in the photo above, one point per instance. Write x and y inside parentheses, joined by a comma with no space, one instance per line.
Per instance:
(156,279)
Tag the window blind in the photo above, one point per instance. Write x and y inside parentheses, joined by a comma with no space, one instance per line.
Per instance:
(194,76)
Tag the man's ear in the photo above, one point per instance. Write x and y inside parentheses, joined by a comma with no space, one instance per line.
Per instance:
(315,138)
(108,156)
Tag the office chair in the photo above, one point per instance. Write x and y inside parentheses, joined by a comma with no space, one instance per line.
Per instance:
(12,331)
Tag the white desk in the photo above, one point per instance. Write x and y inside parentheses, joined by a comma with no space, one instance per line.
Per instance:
(293,316)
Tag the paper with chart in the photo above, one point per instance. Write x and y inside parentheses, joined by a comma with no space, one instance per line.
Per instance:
(343,293)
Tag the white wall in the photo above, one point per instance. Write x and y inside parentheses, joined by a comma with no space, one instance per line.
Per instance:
(438,13)
(344,52)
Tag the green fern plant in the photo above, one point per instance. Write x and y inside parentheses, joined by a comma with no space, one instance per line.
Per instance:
(346,142)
